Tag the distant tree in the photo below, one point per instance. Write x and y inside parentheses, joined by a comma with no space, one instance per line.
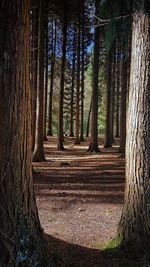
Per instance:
(38,154)
(93,147)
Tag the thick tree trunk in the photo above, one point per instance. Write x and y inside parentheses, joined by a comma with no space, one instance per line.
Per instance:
(20,233)
(71,134)
(93,146)
(46,77)
(34,68)
(108,135)
(134,228)
(38,154)
(50,112)
(77,139)
(82,79)
(62,80)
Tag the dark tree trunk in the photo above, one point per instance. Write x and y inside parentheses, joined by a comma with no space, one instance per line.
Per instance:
(88,122)
(50,112)
(123,102)
(71,134)
(117,90)
(46,76)
(82,79)
(77,139)
(38,154)
(34,68)
(93,147)
(134,228)
(20,232)
(61,97)
(108,135)
(113,92)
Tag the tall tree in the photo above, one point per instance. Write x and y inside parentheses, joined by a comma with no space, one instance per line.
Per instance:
(93,147)
(134,228)
(20,232)
(38,154)
(61,97)
(77,139)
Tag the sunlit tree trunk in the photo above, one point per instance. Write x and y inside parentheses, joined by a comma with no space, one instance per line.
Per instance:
(38,154)
(134,228)
(93,146)
(20,232)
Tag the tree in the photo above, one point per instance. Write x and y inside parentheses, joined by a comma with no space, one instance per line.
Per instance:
(134,227)
(93,147)
(60,119)
(20,232)
(38,154)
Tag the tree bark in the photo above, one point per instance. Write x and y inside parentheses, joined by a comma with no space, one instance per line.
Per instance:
(117,135)
(77,139)
(134,228)
(20,232)
(108,135)
(38,154)
(46,76)
(34,68)
(88,122)
(50,112)
(93,146)
(82,79)
(71,134)
(61,97)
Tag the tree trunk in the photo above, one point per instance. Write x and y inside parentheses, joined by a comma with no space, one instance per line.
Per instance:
(46,76)
(71,134)
(50,112)
(113,91)
(77,139)
(93,147)
(20,232)
(123,102)
(117,90)
(38,154)
(61,97)
(108,135)
(88,122)
(34,69)
(82,79)
(134,228)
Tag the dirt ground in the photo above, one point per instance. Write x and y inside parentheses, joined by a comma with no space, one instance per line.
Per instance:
(79,198)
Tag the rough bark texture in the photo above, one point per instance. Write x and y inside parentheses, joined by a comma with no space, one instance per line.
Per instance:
(77,139)
(38,154)
(20,234)
(108,135)
(61,97)
(93,147)
(134,228)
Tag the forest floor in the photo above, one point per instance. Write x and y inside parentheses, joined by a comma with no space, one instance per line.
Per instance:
(79,198)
